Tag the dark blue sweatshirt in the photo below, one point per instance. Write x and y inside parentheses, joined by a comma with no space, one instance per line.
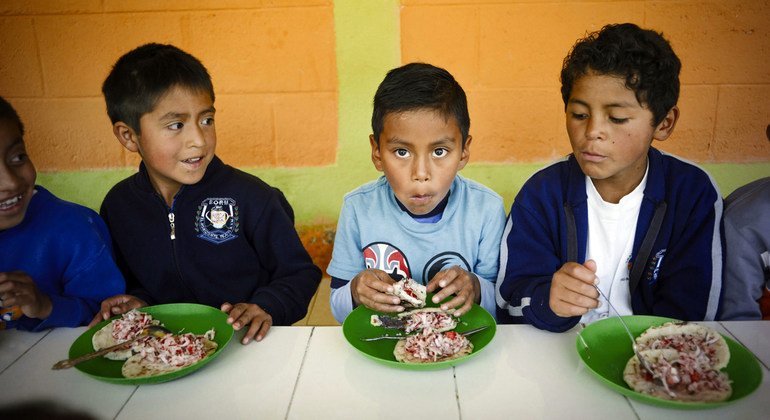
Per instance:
(228,238)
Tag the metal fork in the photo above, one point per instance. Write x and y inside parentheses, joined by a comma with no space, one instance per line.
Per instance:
(399,337)
(645,364)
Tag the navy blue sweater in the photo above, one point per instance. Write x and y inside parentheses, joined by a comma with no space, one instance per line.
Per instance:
(228,238)
(676,258)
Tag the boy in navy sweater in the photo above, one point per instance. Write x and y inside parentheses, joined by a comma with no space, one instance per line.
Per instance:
(187,227)
(56,263)
(617,215)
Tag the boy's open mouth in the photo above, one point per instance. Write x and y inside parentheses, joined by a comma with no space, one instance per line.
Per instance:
(11,202)
(193,160)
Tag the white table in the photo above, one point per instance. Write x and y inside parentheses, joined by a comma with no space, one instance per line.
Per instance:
(312,372)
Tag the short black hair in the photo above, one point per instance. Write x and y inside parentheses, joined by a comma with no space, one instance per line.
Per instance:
(420,86)
(143,75)
(642,56)
(7,112)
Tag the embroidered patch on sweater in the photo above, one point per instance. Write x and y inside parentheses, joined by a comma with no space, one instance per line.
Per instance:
(217,220)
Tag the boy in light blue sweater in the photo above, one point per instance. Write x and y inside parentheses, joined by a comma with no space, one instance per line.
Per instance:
(421,220)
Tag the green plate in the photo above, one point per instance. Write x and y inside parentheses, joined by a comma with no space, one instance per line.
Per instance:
(184,317)
(358,325)
(609,349)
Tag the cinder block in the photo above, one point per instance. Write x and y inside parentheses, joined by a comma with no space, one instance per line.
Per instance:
(743,113)
(305,129)
(524,45)
(197,5)
(517,125)
(693,135)
(267,51)
(19,67)
(69,134)
(718,42)
(47,7)
(445,36)
(245,131)
(78,51)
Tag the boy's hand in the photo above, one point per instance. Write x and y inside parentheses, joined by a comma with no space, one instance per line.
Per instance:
(18,289)
(370,288)
(117,305)
(242,314)
(573,289)
(459,282)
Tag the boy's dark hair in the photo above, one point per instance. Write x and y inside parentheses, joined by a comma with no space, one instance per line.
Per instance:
(420,86)
(641,56)
(7,112)
(143,75)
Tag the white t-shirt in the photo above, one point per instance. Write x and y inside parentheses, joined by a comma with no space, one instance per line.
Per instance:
(611,232)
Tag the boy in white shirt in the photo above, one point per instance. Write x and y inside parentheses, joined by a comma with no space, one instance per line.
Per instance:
(617,214)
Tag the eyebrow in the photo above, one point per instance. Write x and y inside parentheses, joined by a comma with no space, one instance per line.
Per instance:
(438,142)
(610,105)
(173,115)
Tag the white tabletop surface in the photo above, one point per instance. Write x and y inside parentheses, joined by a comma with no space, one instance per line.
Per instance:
(312,372)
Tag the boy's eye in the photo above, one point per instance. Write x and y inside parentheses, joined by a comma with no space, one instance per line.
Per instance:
(176,126)
(19,158)
(579,116)
(208,121)
(440,152)
(618,120)
(402,153)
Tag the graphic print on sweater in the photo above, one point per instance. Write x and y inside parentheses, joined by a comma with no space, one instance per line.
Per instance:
(217,220)
(386,257)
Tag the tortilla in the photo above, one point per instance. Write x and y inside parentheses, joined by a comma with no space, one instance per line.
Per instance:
(131,323)
(139,366)
(411,293)
(714,386)
(403,355)
(687,337)
(103,339)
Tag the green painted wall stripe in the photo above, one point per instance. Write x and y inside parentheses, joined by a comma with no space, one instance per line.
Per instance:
(367,46)
(316,193)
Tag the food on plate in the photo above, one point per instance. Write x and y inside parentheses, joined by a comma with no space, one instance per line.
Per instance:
(159,355)
(121,330)
(430,346)
(677,376)
(692,339)
(411,293)
(418,319)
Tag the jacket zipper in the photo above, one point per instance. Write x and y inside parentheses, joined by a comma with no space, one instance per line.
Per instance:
(171,224)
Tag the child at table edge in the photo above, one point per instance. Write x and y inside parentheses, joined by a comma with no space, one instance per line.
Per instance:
(187,227)
(56,262)
(642,225)
(420,220)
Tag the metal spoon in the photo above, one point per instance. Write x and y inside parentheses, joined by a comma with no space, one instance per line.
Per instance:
(153,330)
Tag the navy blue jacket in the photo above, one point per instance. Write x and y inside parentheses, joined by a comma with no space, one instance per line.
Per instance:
(677,253)
(233,241)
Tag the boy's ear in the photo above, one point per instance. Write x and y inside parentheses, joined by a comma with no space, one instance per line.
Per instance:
(376,159)
(126,136)
(666,127)
(466,153)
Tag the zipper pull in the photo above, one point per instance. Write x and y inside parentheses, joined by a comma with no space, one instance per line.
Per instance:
(173,227)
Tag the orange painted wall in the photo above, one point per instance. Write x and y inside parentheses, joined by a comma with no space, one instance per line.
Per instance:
(275,73)
(508,54)
(272,63)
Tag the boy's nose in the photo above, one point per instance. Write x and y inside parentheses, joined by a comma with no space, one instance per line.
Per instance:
(197,138)
(9,181)
(595,129)
(420,170)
